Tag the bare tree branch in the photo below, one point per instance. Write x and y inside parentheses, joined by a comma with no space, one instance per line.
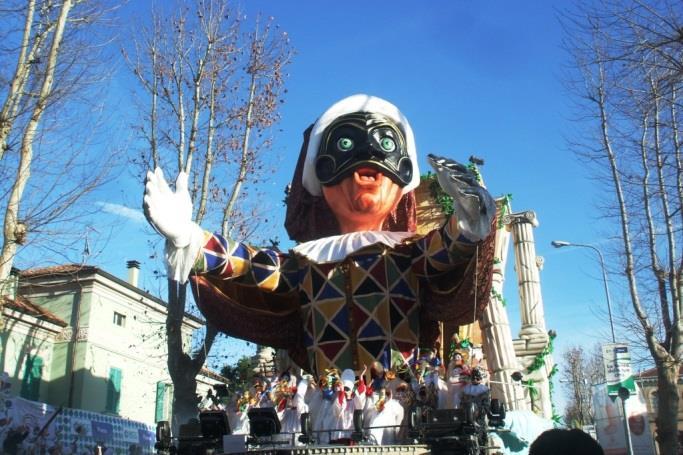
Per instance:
(626,72)
(199,61)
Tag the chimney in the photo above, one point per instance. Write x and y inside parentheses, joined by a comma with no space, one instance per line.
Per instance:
(11,286)
(133,272)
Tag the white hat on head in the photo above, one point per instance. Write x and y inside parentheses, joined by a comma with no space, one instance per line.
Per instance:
(348,378)
(302,386)
(349,105)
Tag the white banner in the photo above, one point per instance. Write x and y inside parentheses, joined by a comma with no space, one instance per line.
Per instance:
(72,431)
(609,423)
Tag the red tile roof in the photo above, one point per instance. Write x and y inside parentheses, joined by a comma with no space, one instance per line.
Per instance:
(213,375)
(652,373)
(66,269)
(26,306)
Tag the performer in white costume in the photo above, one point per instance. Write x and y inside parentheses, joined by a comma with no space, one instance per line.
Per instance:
(385,415)
(458,378)
(350,398)
(295,407)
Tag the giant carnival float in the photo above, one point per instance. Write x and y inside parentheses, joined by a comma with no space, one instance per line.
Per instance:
(388,316)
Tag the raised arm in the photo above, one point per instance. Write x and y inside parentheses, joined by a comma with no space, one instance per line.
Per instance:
(473,206)
(191,249)
(473,211)
(170,214)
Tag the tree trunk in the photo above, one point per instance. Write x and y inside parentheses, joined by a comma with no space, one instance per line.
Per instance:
(185,399)
(183,367)
(180,366)
(667,408)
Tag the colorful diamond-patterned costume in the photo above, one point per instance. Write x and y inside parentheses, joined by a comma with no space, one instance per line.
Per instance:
(352,311)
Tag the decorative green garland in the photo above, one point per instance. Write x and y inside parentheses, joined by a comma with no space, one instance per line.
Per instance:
(496,295)
(539,360)
(505,208)
(557,418)
(463,344)
(475,170)
(442,199)
(537,364)
(533,390)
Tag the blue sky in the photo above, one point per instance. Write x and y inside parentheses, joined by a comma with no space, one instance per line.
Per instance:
(480,78)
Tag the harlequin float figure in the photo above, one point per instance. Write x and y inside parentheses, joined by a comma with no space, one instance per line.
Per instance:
(360,284)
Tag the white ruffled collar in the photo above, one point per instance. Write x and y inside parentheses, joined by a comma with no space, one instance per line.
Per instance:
(337,247)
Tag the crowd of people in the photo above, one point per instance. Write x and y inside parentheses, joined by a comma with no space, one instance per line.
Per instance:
(386,397)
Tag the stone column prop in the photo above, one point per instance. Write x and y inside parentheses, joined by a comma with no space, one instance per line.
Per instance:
(495,327)
(529,284)
(533,335)
(264,362)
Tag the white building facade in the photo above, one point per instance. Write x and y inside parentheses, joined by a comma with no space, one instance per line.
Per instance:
(99,344)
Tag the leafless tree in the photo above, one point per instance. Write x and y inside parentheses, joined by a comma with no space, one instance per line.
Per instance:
(50,67)
(581,371)
(627,59)
(214,84)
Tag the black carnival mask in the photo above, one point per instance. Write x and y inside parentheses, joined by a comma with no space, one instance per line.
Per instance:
(363,139)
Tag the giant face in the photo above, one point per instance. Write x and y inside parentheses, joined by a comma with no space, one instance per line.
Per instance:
(363,200)
(363,165)
(363,140)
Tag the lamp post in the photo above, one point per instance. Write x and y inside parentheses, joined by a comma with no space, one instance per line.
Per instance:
(561,244)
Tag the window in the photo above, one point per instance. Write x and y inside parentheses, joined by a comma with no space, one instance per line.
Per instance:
(119,319)
(113,390)
(163,401)
(33,372)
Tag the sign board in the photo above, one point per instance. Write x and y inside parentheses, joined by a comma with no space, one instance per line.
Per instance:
(617,362)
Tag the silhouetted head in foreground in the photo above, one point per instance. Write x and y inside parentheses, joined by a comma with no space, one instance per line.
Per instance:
(565,442)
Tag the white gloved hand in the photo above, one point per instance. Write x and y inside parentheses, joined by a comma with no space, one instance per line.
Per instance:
(473,206)
(169,212)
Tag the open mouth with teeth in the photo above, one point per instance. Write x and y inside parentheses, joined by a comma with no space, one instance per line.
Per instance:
(367,176)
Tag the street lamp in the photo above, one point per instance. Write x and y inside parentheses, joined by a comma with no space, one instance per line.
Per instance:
(562,244)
